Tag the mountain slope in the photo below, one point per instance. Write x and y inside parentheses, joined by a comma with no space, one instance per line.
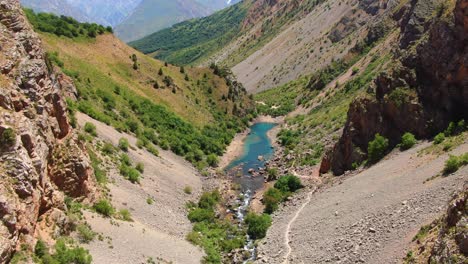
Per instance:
(104,12)
(153,15)
(58,7)
(192,40)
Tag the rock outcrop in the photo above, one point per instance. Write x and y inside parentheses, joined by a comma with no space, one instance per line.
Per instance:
(41,159)
(426,88)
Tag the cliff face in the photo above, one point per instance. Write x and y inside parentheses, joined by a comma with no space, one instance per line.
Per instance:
(41,160)
(425,89)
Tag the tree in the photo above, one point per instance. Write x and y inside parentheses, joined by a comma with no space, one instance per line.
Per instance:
(160,73)
(377,148)
(257,225)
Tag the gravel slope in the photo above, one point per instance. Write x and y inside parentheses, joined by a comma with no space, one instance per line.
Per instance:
(159,229)
(369,218)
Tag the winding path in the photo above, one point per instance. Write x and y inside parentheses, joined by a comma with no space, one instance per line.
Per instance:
(288,229)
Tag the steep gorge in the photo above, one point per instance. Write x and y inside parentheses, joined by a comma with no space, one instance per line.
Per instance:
(41,160)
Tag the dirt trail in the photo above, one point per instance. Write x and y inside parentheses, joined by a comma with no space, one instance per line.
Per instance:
(159,227)
(377,210)
(288,229)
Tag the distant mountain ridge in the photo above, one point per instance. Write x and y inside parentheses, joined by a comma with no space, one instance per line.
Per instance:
(153,15)
(105,12)
(132,19)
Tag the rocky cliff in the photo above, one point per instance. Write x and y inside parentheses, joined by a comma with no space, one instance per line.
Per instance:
(41,161)
(425,89)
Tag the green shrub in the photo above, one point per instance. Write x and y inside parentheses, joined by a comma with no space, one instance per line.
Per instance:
(288,183)
(377,148)
(125,160)
(257,225)
(153,150)
(439,138)
(85,233)
(407,141)
(188,190)
(130,173)
(272,173)
(149,200)
(8,137)
(212,160)
(454,163)
(90,128)
(209,199)
(104,208)
(271,199)
(123,144)
(125,215)
(140,167)
(66,255)
(40,249)
(108,148)
(201,214)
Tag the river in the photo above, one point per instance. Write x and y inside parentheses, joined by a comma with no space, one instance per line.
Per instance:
(257,144)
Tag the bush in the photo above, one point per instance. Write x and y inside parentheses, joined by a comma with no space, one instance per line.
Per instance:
(407,141)
(288,183)
(125,215)
(130,173)
(104,208)
(85,233)
(40,249)
(209,199)
(76,255)
(377,148)
(257,225)
(140,167)
(439,138)
(188,190)
(454,163)
(212,160)
(108,148)
(8,137)
(201,214)
(271,199)
(90,129)
(125,160)
(123,144)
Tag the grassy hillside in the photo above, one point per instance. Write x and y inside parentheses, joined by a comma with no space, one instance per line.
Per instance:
(194,41)
(190,41)
(324,98)
(191,111)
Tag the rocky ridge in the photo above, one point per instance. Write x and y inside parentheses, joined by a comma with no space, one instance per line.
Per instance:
(424,90)
(41,160)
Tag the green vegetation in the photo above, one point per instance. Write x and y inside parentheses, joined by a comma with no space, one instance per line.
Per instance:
(214,235)
(377,148)
(125,215)
(408,140)
(123,144)
(104,207)
(422,233)
(454,163)
(140,167)
(439,138)
(90,128)
(65,253)
(282,189)
(64,26)
(8,137)
(193,40)
(85,233)
(188,190)
(257,225)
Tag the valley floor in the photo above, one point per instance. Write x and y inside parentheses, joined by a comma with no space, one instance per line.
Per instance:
(159,228)
(370,217)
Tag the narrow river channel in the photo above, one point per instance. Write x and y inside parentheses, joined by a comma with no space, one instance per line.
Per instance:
(257,151)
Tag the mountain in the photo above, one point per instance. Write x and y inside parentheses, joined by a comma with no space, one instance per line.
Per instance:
(153,15)
(104,12)
(57,7)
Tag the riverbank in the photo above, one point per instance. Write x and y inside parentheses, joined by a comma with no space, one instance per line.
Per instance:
(236,148)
